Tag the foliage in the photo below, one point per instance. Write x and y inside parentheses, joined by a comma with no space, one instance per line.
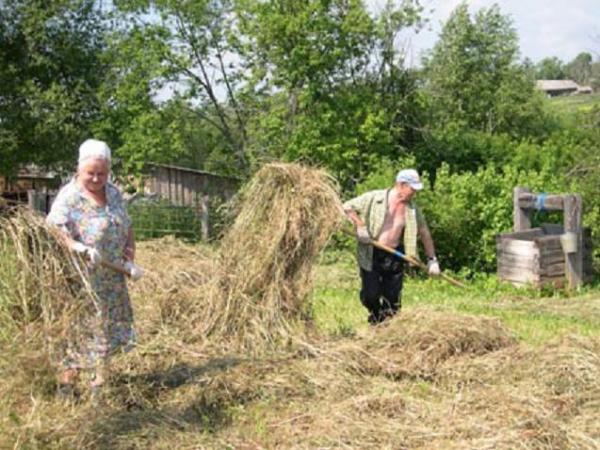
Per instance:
(474,81)
(465,211)
(49,74)
(551,68)
(580,69)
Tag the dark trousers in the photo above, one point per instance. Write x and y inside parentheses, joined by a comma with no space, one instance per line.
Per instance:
(382,287)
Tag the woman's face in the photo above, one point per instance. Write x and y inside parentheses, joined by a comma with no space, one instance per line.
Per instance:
(93,174)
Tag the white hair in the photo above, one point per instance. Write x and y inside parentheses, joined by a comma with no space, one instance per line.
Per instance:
(93,149)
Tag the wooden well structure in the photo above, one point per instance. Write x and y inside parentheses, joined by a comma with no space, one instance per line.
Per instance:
(550,255)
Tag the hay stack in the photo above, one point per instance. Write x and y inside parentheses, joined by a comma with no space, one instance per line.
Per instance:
(41,282)
(416,343)
(287,214)
(44,300)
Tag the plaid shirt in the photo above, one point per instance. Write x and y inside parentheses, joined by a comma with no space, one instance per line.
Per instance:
(372,207)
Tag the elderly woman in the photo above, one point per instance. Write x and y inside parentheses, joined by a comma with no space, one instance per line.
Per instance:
(91,212)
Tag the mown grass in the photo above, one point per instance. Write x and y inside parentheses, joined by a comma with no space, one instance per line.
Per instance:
(535,316)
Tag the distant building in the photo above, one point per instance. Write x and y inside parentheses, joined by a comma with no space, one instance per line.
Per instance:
(553,88)
(187,187)
(585,90)
(28,178)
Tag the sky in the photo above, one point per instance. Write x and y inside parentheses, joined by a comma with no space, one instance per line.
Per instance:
(546,28)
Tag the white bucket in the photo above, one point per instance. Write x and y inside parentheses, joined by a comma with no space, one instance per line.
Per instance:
(568,241)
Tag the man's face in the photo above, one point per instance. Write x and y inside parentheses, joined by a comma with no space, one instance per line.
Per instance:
(405,192)
(93,175)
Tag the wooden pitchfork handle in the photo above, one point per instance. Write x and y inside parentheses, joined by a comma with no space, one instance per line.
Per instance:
(408,259)
(116,267)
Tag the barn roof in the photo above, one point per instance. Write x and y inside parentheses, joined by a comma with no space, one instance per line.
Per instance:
(556,85)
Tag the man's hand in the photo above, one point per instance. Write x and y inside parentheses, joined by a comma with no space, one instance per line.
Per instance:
(135,271)
(90,253)
(433,267)
(362,234)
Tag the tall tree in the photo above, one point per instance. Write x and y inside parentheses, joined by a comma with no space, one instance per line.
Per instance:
(49,73)
(551,68)
(580,69)
(197,56)
(473,76)
(341,95)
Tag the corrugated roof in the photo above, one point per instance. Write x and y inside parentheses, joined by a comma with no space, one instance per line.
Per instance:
(556,85)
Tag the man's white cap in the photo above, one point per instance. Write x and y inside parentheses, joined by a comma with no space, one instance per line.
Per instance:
(94,149)
(410,177)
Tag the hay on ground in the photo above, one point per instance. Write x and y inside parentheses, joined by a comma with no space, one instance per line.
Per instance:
(415,343)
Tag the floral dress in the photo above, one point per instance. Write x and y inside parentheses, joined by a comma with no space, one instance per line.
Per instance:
(109,317)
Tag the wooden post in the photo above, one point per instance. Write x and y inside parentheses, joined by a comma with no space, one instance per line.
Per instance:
(204,217)
(573,222)
(521,217)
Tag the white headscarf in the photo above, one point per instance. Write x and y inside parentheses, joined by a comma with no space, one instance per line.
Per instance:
(93,149)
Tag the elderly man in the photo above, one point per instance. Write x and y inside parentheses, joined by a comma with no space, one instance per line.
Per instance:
(390,217)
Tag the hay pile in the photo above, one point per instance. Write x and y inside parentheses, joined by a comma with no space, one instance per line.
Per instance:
(258,293)
(419,341)
(44,300)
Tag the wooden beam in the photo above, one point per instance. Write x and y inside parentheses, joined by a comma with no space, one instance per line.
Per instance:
(528,200)
(573,223)
(521,217)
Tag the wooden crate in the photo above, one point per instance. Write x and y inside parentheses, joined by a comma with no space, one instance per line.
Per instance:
(536,257)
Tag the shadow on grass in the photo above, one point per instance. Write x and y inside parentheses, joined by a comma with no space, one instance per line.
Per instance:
(117,426)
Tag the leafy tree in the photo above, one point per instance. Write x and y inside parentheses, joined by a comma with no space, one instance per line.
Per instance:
(49,73)
(580,68)
(195,44)
(551,68)
(332,87)
(474,84)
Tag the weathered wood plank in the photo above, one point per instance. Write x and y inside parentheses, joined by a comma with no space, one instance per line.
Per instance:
(553,270)
(526,235)
(527,200)
(521,217)
(517,275)
(553,228)
(573,223)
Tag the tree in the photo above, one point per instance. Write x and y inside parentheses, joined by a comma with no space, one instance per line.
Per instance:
(195,43)
(550,69)
(331,86)
(473,79)
(580,69)
(49,73)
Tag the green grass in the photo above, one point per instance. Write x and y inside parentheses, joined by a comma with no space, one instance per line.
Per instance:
(534,316)
(572,104)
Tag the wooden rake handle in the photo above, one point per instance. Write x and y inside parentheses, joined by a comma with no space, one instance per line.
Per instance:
(409,259)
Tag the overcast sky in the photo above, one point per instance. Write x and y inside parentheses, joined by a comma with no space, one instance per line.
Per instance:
(561,28)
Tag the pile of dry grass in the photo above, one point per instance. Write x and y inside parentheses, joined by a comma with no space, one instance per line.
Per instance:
(419,341)
(44,300)
(258,294)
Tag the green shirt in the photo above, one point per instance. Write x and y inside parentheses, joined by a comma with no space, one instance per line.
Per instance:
(372,207)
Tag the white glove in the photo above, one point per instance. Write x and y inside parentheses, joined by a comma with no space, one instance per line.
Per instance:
(91,253)
(135,271)
(362,234)
(433,267)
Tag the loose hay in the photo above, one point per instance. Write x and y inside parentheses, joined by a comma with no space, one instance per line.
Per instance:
(287,215)
(415,343)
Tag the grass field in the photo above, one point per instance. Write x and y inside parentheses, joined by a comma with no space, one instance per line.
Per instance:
(570,105)
(490,366)
(536,316)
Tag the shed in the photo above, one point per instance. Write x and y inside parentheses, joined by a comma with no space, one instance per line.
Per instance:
(187,187)
(553,88)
